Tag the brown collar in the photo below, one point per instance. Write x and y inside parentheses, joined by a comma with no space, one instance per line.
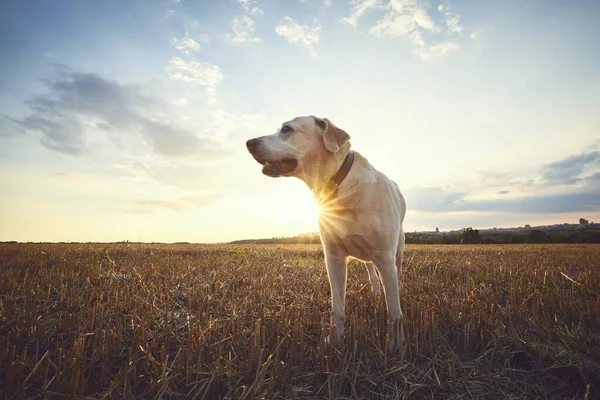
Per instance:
(336,180)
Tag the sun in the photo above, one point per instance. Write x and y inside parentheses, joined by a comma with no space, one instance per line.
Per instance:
(299,208)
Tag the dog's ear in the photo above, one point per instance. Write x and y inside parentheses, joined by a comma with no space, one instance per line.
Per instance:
(333,137)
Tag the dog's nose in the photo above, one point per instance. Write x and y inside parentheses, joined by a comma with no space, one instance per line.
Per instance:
(252,143)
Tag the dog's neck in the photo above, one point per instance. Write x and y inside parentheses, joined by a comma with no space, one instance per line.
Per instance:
(318,173)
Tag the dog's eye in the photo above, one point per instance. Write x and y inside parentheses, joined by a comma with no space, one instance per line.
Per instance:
(286,129)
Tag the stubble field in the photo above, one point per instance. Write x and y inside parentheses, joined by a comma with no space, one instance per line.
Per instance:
(223,321)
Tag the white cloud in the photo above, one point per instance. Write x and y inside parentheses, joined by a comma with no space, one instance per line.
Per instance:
(451,19)
(243,30)
(186,44)
(405,18)
(421,17)
(394,25)
(438,50)
(306,35)
(249,7)
(198,73)
(410,19)
(243,25)
(476,34)
(79,111)
(169,13)
(359,8)
(453,25)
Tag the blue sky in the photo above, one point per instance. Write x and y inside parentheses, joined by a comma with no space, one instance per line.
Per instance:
(128,119)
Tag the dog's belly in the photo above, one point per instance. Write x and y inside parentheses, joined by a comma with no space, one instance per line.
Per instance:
(358,246)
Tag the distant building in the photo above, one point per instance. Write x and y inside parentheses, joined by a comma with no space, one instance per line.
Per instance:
(583,221)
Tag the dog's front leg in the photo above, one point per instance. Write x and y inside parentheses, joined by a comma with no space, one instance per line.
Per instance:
(336,270)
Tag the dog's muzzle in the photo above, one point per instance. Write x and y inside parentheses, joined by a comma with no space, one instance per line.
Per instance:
(273,168)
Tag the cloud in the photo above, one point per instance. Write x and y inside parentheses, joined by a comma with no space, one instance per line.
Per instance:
(359,8)
(305,35)
(409,19)
(220,170)
(475,34)
(436,199)
(561,186)
(198,73)
(438,50)
(432,198)
(594,178)
(170,140)
(567,170)
(243,30)
(404,20)
(243,25)
(249,7)
(451,19)
(186,44)
(79,104)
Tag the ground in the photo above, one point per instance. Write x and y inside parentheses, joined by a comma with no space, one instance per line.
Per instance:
(250,321)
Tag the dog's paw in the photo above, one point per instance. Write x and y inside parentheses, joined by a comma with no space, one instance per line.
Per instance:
(396,337)
(335,337)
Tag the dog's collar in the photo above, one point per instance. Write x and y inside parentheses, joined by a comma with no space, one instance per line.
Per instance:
(336,180)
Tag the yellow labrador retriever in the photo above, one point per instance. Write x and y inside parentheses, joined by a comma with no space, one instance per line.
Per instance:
(361,210)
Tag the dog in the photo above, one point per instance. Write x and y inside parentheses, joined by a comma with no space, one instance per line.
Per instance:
(361,211)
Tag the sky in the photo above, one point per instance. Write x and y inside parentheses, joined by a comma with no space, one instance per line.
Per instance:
(127,120)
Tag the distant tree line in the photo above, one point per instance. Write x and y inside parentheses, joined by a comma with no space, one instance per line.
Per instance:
(466,236)
(474,236)
(304,239)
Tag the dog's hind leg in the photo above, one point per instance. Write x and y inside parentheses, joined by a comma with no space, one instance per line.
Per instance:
(386,265)
(399,256)
(373,278)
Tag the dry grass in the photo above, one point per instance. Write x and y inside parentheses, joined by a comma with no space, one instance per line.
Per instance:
(204,322)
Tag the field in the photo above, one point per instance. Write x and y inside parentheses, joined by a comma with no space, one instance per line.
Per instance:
(214,321)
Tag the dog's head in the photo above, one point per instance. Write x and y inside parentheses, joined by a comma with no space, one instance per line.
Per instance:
(298,143)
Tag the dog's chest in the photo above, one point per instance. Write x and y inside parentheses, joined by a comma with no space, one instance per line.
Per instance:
(354,238)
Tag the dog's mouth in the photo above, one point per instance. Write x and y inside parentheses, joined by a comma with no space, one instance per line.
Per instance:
(279,168)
